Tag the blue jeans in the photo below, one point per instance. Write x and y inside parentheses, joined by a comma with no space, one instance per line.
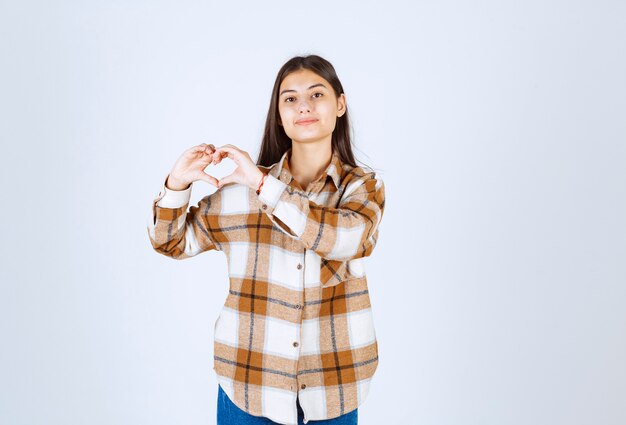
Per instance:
(229,414)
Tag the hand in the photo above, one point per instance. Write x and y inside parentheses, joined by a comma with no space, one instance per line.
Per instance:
(246,173)
(190,167)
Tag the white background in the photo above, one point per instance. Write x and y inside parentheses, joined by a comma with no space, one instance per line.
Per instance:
(499,280)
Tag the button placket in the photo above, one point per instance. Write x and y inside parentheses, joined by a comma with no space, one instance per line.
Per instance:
(296,344)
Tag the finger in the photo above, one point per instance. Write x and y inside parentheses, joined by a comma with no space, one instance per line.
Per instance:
(198,148)
(202,158)
(219,155)
(209,152)
(226,179)
(228,148)
(231,152)
(210,179)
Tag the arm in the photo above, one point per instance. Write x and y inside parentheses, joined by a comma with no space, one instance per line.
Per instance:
(344,233)
(179,234)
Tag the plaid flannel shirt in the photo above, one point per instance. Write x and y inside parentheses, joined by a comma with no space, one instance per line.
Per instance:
(297,321)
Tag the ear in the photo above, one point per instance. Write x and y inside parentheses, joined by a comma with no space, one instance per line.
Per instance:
(341,105)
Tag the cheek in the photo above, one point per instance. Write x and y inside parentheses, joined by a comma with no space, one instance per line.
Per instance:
(284,113)
(329,114)
(282,116)
(328,110)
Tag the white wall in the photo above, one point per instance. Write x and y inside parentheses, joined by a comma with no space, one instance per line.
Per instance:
(499,280)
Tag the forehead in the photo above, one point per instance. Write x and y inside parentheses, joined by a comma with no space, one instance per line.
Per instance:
(301,80)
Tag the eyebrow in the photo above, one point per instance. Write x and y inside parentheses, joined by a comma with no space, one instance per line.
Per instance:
(310,87)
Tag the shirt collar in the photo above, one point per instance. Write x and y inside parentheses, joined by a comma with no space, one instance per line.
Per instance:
(281,171)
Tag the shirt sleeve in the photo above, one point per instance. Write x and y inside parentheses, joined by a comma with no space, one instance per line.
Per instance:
(179,234)
(347,232)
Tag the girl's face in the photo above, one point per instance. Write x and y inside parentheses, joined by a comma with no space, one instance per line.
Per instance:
(308,107)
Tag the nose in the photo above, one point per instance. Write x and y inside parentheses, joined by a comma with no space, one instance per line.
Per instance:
(304,106)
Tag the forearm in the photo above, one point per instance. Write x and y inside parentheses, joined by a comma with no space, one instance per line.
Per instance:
(343,233)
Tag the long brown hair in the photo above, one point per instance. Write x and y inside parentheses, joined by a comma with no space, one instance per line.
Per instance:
(276,142)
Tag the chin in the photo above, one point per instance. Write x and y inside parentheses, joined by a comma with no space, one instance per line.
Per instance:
(307,137)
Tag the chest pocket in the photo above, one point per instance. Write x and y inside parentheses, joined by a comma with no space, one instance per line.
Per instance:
(333,272)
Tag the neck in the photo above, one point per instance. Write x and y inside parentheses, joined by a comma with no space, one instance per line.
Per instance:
(308,161)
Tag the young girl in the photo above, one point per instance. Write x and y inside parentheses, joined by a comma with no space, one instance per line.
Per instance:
(295,339)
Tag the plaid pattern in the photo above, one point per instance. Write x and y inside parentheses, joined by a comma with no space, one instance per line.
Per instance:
(297,321)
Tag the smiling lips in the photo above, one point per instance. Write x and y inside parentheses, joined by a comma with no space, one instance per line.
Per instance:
(306,121)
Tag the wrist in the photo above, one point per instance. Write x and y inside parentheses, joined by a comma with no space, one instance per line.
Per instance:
(260,178)
(173,184)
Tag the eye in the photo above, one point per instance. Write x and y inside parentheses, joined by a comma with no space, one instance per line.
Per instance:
(315,95)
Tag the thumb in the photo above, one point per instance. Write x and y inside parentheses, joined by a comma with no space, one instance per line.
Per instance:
(209,179)
(227,179)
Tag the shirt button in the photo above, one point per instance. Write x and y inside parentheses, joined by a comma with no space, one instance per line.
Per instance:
(295,343)
(299,307)
(299,266)
(303,386)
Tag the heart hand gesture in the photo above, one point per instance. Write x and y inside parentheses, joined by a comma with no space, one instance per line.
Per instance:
(246,173)
(191,164)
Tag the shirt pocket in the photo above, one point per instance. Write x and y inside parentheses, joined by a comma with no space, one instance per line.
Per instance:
(333,272)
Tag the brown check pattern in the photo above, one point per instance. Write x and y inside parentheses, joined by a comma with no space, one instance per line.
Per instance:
(297,321)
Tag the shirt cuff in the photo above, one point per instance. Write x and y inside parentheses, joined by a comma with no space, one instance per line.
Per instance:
(169,198)
(271,191)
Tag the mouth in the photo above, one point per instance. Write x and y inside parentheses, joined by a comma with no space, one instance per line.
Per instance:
(306,122)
